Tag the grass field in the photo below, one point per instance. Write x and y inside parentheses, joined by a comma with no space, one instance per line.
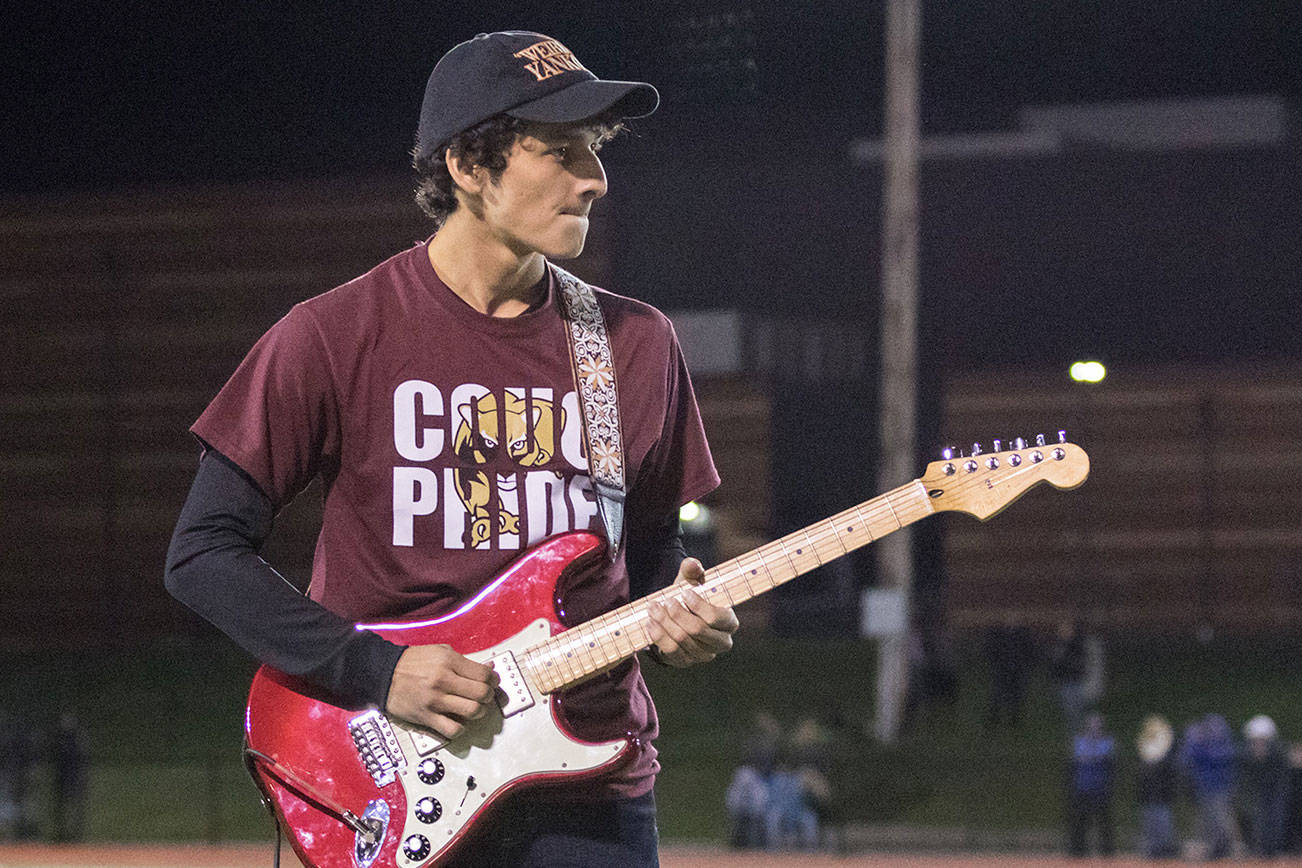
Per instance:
(164,729)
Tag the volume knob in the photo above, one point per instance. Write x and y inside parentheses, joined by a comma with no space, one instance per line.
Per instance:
(428,809)
(416,847)
(430,771)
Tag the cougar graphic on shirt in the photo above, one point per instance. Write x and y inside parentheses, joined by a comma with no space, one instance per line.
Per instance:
(528,433)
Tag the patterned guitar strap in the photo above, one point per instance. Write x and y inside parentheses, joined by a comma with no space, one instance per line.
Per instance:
(593,367)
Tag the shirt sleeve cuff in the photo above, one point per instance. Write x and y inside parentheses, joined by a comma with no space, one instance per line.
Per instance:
(368,669)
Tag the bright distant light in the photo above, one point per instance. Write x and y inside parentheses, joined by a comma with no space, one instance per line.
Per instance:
(690,512)
(1088,372)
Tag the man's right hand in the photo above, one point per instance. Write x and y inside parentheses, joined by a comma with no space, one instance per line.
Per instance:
(438,688)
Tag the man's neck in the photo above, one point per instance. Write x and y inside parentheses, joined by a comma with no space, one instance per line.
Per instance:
(483,272)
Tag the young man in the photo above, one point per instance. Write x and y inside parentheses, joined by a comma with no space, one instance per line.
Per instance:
(435,398)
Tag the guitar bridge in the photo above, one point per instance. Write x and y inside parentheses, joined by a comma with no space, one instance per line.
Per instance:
(377,746)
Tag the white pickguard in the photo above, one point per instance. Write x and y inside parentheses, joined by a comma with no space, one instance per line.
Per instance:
(489,755)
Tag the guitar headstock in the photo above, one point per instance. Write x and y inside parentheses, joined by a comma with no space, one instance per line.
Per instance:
(983,483)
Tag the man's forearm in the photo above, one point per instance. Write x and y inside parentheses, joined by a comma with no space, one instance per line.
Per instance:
(214,568)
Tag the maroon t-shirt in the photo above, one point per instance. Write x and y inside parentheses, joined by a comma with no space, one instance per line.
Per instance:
(449,441)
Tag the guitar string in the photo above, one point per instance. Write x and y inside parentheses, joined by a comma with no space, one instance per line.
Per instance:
(814,537)
(726,575)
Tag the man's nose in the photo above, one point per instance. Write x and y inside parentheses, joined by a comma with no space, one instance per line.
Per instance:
(592,177)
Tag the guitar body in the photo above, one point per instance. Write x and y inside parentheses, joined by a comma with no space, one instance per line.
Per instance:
(419,793)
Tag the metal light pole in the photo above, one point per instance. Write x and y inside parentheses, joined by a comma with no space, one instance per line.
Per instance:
(898,392)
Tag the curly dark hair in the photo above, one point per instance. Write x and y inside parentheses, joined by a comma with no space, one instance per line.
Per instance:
(486,144)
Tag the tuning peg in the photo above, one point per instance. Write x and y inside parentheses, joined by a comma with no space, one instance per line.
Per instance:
(1019,442)
(999,445)
(1062,436)
(976,449)
(947,453)
(1039,439)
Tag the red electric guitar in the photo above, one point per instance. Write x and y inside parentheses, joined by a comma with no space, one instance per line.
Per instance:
(357,788)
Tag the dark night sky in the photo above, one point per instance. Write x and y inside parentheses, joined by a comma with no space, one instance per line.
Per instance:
(753,93)
(102,96)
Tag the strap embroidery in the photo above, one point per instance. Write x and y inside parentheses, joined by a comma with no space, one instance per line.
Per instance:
(594,374)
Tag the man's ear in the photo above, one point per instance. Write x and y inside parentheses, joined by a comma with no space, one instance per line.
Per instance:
(470,179)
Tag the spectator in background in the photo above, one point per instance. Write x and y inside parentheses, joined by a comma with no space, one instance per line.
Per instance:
(792,822)
(811,750)
(1089,797)
(8,811)
(69,757)
(1095,678)
(1265,786)
(1067,669)
(747,801)
(747,797)
(1011,653)
(1156,790)
(17,762)
(1294,821)
(1208,757)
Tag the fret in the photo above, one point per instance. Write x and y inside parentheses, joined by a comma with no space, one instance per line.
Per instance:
(749,572)
(745,580)
(719,587)
(822,542)
(831,522)
(619,635)
(803,552)
(763,561)
(586,646)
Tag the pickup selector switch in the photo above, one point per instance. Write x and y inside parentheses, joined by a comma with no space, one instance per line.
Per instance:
(430,771)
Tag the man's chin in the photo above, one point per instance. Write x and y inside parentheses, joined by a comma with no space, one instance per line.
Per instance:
(569,250)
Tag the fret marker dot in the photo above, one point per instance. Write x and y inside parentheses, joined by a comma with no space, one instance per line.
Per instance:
(798,551)
(591,644)
(616,632)
(850,528)
(754,572)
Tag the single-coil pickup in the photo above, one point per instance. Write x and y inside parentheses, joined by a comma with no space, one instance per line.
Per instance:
(377,747)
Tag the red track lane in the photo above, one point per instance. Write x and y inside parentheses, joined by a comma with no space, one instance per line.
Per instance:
(259,856)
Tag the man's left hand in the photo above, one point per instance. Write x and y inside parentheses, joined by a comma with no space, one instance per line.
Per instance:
(686,628)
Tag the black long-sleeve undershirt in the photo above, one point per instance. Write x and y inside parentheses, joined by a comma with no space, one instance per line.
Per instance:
(213,567)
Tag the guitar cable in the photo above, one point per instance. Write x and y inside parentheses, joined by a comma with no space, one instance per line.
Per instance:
(367,829)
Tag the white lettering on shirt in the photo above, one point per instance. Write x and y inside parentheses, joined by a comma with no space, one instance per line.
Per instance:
(508,496)
(415,492)
(583,500)
(407,435)
(454,514)
(459,438)
(544,495)
(572,433)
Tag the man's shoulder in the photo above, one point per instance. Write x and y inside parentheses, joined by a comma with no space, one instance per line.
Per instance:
(624,312)
(359,299)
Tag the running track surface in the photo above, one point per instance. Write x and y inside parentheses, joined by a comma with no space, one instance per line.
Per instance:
(259,856)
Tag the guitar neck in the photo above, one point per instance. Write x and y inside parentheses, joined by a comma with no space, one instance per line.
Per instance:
(575,654)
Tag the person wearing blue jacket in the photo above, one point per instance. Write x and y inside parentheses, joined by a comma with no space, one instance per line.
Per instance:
(1089,799)
(1210,762)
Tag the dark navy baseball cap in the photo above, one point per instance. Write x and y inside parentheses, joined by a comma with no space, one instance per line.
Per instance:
(524,74)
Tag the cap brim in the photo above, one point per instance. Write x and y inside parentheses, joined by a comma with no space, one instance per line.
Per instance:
(585,99)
